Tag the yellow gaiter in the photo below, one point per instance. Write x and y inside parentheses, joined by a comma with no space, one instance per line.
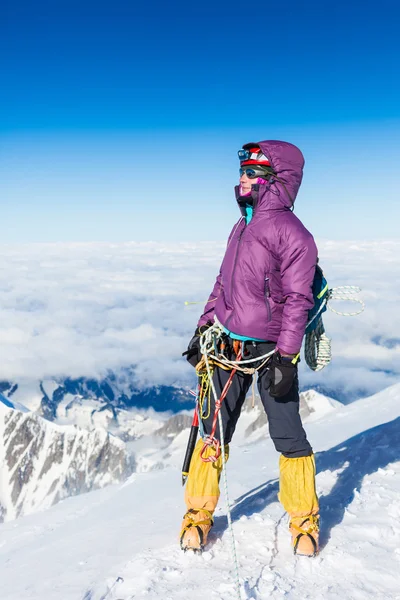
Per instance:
(202,486)
(297,485)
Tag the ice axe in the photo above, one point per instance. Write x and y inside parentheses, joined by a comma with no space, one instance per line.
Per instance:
(190,446)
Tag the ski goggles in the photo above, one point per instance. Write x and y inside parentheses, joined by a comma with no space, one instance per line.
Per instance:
(253,172)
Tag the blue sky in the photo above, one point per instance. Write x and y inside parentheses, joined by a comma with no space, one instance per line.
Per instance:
(120,123)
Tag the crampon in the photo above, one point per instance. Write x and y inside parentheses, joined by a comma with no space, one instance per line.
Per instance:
(305,531)
(195,528)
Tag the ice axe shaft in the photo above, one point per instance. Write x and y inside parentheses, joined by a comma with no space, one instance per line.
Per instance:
(190,447)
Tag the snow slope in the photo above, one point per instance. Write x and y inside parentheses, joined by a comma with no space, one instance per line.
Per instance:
(78,548)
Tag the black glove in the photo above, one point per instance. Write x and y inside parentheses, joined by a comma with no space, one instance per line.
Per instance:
(193,354)
(282,374)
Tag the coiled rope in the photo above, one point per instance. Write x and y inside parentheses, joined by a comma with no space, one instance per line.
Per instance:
(317,348)
(317,345)
(345,292)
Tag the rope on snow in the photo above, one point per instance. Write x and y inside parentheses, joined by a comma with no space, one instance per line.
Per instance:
(225,481)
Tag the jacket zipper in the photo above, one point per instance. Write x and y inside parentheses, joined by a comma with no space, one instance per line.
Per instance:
(267,295)
(233,272)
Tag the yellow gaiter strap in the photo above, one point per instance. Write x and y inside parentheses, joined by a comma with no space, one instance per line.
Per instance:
(297,485)
(202,486)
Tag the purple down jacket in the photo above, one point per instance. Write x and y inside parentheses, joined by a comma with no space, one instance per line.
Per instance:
(263,289)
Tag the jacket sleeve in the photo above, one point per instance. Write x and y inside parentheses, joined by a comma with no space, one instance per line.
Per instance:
(298,254)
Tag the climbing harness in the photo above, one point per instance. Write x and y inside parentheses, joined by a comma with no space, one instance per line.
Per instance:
(209,346)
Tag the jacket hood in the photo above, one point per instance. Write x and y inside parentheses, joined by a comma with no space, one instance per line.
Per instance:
(287,161)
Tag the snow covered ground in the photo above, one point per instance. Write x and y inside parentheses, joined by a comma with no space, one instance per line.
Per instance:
(78,548)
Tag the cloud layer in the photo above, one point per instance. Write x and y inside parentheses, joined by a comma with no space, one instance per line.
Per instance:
(83,309)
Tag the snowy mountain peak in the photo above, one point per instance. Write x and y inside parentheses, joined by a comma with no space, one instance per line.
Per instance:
(42,463)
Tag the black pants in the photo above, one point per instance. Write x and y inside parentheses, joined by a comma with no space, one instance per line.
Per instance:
(285,427)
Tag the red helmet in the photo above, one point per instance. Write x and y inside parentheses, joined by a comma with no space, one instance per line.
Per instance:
(251,154)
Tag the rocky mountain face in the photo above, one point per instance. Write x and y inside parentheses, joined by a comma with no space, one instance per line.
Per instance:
(64,437)
(41,463)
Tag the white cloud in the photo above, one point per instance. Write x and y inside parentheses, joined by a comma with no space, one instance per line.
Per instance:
(83,309)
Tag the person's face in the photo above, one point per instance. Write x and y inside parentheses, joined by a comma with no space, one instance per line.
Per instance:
(246,183)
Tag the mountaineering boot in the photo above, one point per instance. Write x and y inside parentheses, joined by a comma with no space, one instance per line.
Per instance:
(201,497)
(195,528)
(305,532)
(298,497)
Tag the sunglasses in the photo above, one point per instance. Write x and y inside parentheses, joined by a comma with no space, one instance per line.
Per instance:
(253,172)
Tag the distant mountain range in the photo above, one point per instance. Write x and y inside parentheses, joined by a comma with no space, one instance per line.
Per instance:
(58,396)
(64,437)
